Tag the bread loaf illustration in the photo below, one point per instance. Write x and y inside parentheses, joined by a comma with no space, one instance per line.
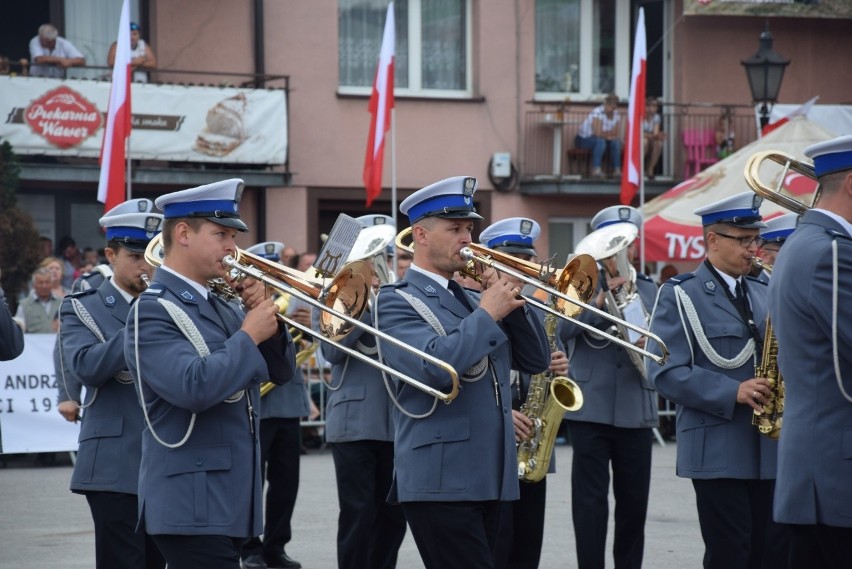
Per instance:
(225,128)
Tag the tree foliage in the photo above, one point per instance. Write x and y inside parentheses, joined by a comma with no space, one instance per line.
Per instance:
(19,240)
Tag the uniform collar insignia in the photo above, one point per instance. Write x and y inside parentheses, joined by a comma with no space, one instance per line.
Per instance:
(430,289)
(110,300)
(710,286)
(187,295)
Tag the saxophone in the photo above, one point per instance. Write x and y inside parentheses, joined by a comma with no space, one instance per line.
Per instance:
(769,421)
(547,401)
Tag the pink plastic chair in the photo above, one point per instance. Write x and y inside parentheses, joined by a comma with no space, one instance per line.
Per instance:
(700,147)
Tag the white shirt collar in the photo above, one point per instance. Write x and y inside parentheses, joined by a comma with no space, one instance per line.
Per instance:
(729,280)
(203,290)
(434,276)
(126,295)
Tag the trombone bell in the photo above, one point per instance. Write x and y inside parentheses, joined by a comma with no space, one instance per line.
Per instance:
(773,194)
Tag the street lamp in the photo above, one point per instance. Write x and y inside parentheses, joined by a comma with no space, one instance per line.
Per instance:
(765,70)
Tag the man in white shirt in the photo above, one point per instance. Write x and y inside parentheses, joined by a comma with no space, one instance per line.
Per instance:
(52,54)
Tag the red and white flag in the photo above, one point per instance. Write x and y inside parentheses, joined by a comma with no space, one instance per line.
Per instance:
(111,185)
(381,103)
(631,175)
(800,111)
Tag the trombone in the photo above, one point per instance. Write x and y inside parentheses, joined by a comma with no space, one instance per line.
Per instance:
(579,277)
(341,303)
(752,176)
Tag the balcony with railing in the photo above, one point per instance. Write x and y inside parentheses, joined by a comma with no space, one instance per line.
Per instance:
(696,136)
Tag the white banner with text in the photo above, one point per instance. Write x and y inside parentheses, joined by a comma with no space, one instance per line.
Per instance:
(178,123)
(29,421)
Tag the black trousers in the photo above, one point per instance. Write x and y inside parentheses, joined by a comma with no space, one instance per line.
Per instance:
(369,530)
(117,543)
(455,535)
(196,551)
(827,547)
(280,450)
(597,447)
(522,528)
(736,523)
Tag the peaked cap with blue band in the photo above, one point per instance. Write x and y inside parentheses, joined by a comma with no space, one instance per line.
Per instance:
(217,202)
(452,198)
(831,156)
(778,229)
(617,214)
(374,219)
(132,224)
(512,235)
(269,250)
(739,210)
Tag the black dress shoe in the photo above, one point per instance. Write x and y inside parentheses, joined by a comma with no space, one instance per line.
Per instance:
(281,560)
(254,562)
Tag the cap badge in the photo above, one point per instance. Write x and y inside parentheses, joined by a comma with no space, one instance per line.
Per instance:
(756,201)
(152,224)
(624,214)
(142,206)
(269,248)
(526,226)
(469,185)
(379,220)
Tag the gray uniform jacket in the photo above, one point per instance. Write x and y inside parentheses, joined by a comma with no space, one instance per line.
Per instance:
(815,450)
(288,401)
(11,335)
(464,451)
(358,407)
(614,392)
(211,484)
(110,441)
(715,437)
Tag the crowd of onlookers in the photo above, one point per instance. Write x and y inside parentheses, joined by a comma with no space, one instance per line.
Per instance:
(51,55)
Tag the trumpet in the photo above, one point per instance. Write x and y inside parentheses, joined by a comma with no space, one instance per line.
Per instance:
(571,288)
(341,303)
(752,176)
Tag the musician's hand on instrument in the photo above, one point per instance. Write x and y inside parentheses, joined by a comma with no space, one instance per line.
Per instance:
(640,343)
(559,363)
(302,315)
(754,392)
(615,282)
(523,425)
(252,292)
(70,410)
(500,298)
(261,322)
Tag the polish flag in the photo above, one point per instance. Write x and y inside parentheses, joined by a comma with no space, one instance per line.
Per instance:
(631,175)
(111,185)
(800,111)
(381,103)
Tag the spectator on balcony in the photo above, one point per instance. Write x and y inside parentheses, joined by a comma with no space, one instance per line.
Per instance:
(141,57)
(52,54)
(724,136)
(601,131)
(654,136)
(6,66)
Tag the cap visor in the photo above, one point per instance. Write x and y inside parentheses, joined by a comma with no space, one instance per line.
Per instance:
(516,250)
(134,247)
(232,222)
(460,215)
(752,225)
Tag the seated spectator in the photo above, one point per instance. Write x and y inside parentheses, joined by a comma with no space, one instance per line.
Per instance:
(38,313)
(724,136)
(141,57)
(6,66)
(52,54)
(601,131)
(654,136)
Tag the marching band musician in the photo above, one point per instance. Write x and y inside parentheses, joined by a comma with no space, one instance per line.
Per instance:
(199,362)
(712,321)
(522,522)
(774,235)
(281,411)
(91,350)
(810,301)
(454,466)
(359,430)
(614,427)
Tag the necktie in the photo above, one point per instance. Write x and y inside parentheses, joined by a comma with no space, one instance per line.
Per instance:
(741,299)
(457,291)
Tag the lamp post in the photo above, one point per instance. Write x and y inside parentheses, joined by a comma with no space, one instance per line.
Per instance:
(765,70)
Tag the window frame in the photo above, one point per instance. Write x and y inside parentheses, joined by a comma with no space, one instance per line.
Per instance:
(414,89)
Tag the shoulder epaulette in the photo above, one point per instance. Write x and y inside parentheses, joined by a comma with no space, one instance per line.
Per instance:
(680,278)
(756,280)
(397,284)
(835,233)
(643,277)
(80,293)
(154,291)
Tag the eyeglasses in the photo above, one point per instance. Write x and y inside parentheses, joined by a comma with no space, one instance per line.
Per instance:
(745,242)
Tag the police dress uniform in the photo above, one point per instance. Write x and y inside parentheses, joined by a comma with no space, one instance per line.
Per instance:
(814,469)
(454,467)
(91,349)
(359,429)
(522,521)
(613,429)
(281,410)
(207,486)
(731,464)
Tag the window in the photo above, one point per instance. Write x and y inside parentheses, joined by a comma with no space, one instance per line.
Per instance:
(580,48)
(432,46)
(564,234)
